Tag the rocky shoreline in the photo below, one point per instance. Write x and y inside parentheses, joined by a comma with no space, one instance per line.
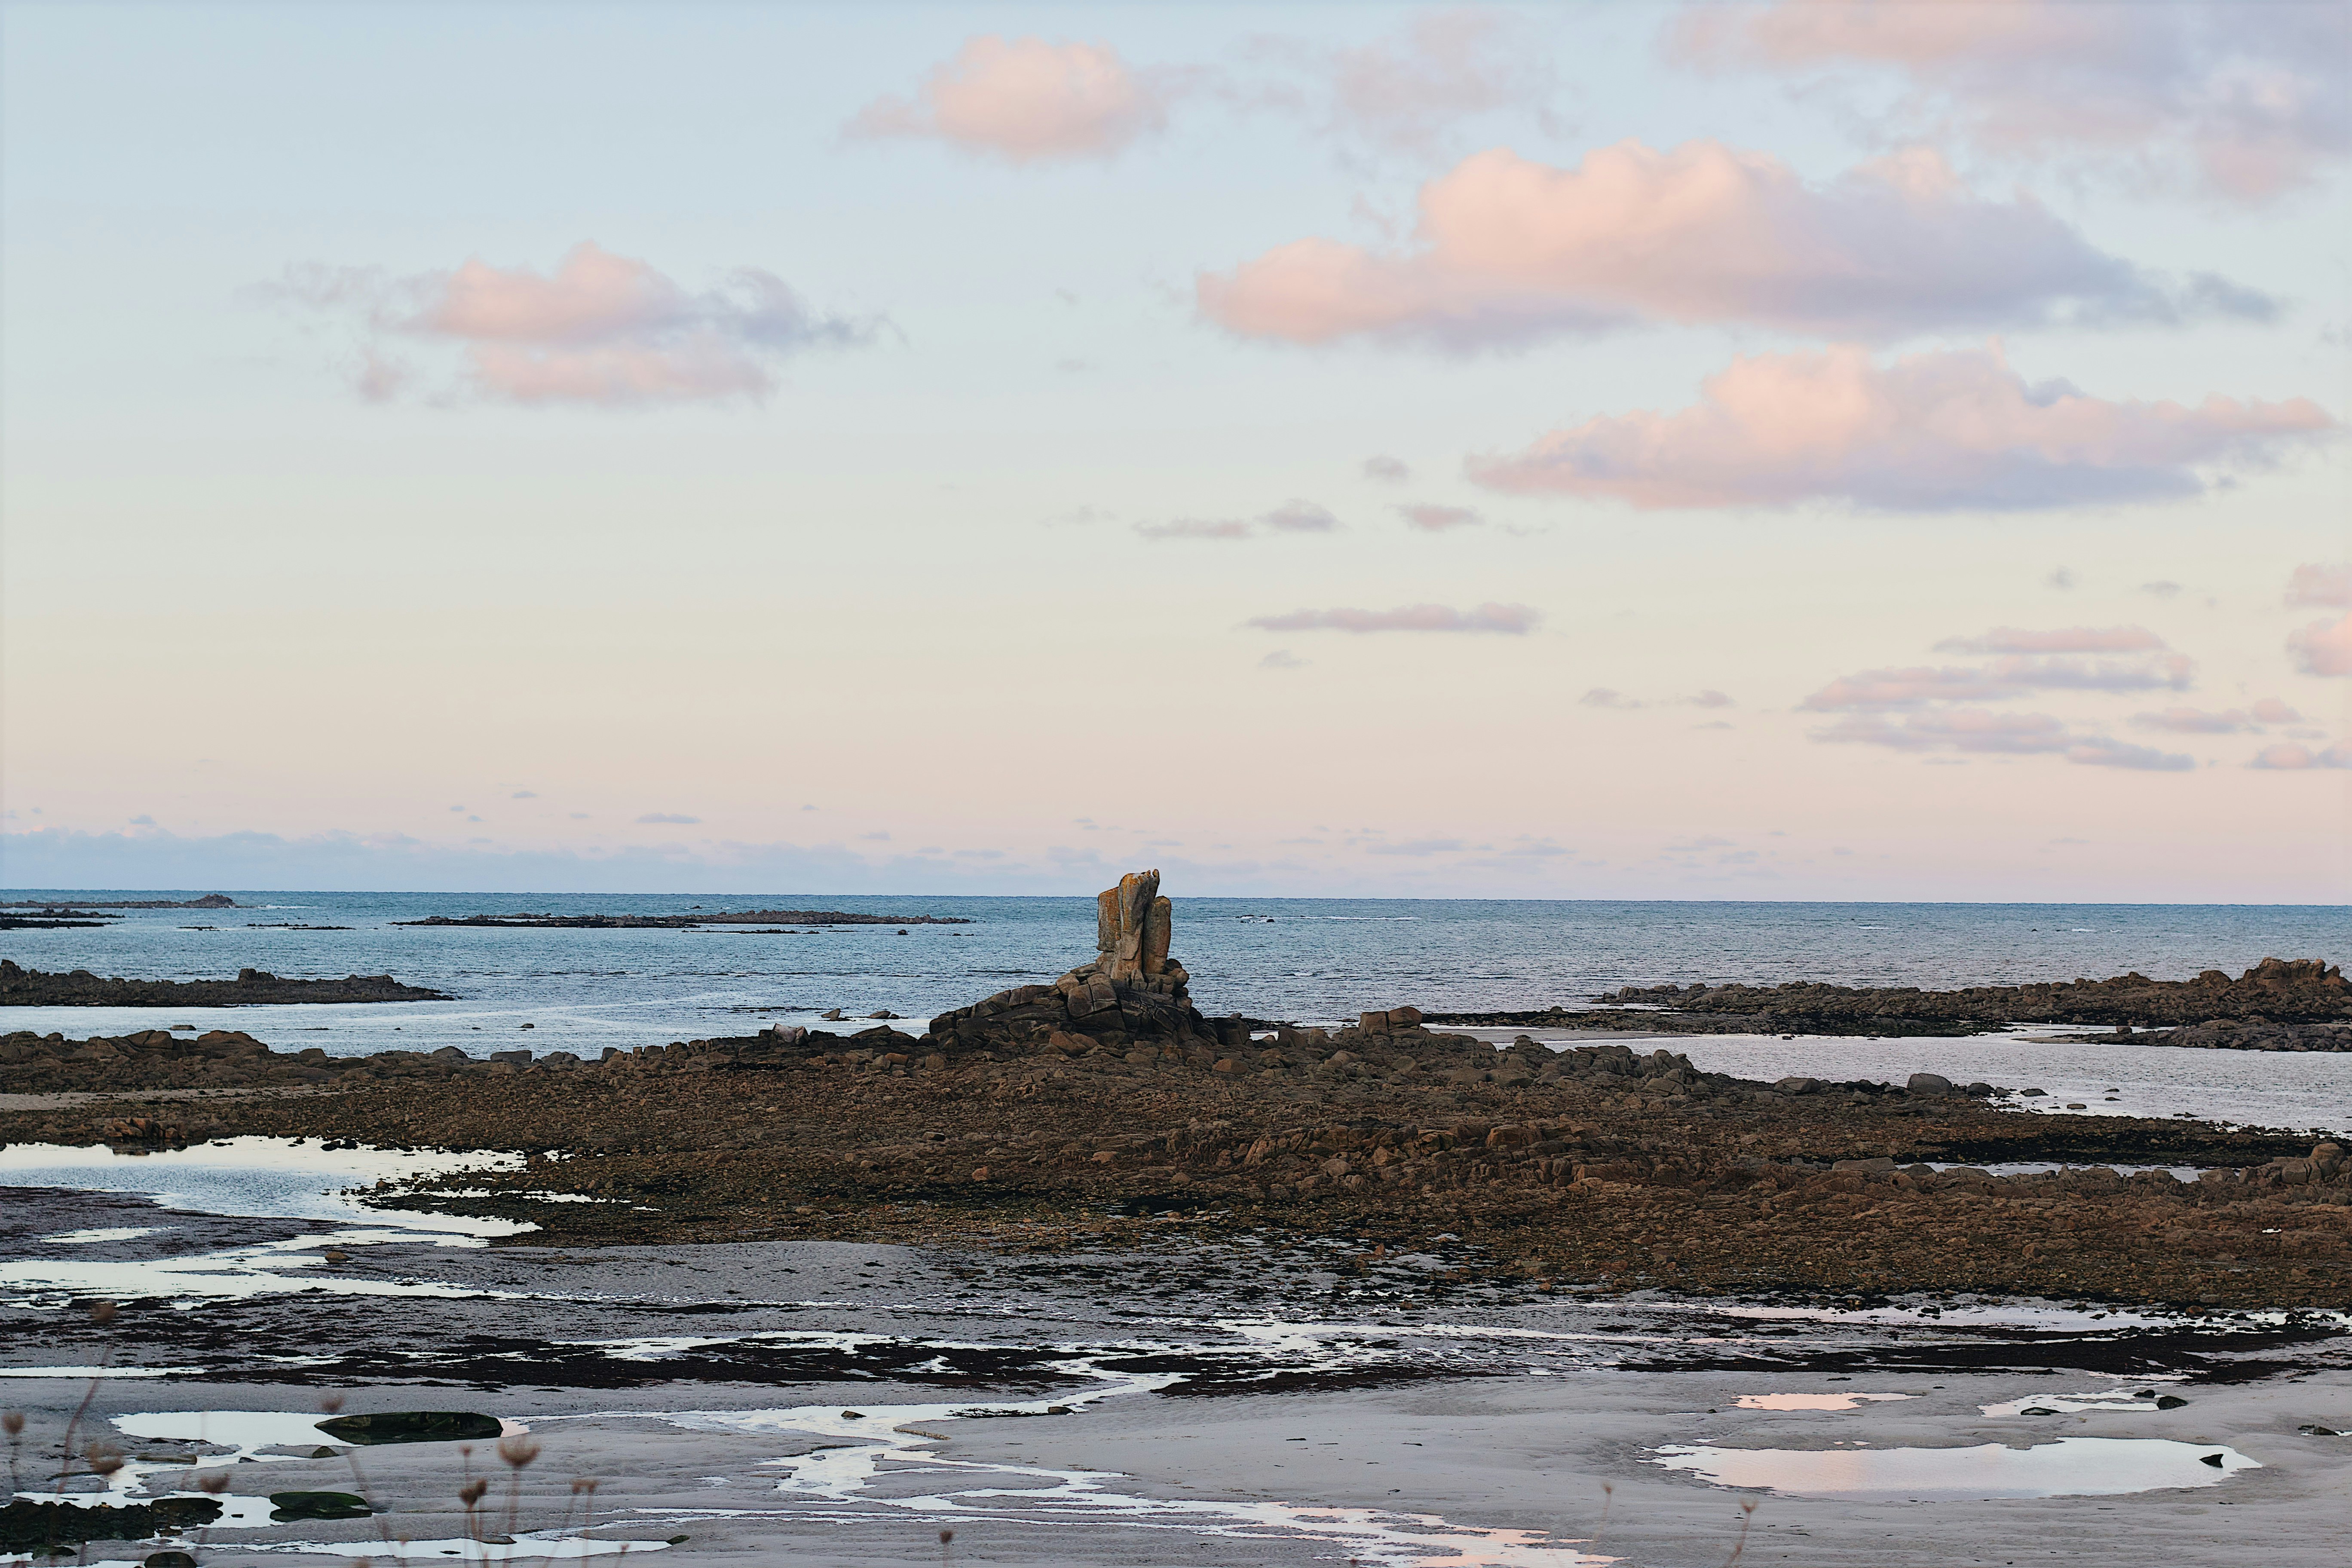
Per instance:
(80,988)
(1105,1106)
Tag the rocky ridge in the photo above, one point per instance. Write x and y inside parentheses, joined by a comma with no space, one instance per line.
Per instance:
(2276,991)
(80,988)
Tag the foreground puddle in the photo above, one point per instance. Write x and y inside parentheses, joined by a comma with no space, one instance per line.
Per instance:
(254,1178)
(1811,1401)
(884,1461)
(2070,1467)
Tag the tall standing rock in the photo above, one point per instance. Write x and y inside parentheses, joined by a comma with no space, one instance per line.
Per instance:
(1133,991)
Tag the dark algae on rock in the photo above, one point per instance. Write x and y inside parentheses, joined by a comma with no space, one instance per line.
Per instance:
(27,1526)
(412,1426)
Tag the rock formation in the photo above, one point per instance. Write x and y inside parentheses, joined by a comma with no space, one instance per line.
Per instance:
(1131,994)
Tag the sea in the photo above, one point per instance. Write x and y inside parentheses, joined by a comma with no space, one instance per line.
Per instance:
(1307,961)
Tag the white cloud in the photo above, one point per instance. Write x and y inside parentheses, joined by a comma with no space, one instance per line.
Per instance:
(1291,517)
(1513,620)
(2288,757)
(2328,584)
(1882,690)
(2323,647)
(1438,518)
(1977,730)
(1386,470)
(2061,639)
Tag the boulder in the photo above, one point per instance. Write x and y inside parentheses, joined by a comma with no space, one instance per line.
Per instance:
(1929,1083)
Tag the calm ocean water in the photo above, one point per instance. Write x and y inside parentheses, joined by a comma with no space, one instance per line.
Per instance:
(1304,959)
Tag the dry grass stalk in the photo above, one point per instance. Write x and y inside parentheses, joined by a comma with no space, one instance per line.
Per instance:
(13,1423)
(518,1451)
(1747,1518)
(101,1313)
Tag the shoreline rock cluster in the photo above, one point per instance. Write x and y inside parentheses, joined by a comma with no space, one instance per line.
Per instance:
(22,987)
(2275,992)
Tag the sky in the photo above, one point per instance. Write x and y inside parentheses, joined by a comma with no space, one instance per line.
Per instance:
(1809,449)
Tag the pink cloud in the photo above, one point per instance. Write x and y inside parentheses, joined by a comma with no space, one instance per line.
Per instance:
(2317,583)
(1513,620)
(1939,430)
(2271,710)
(1509,250)
(2248,100)
(1977,730)
(1879,689)
(1438,518)
(2290,757)
(1027,101)
(601,327)
(2323,647)
(2064,639)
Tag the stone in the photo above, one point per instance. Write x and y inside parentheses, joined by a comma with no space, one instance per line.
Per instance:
(1158,930)
(1932,1083)
(1797,1085)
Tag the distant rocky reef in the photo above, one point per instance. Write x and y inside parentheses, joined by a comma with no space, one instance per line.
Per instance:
(80,988)
(209,901)
(686,922)
(2276,991)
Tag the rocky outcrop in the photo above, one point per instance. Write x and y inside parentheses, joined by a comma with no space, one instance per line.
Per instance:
(2276,991)
(1131,995)
(80,988)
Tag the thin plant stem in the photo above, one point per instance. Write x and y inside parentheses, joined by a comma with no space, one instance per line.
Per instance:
(1747,1518)
(100,1314)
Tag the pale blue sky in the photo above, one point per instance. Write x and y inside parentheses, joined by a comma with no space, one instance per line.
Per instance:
(906,589)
